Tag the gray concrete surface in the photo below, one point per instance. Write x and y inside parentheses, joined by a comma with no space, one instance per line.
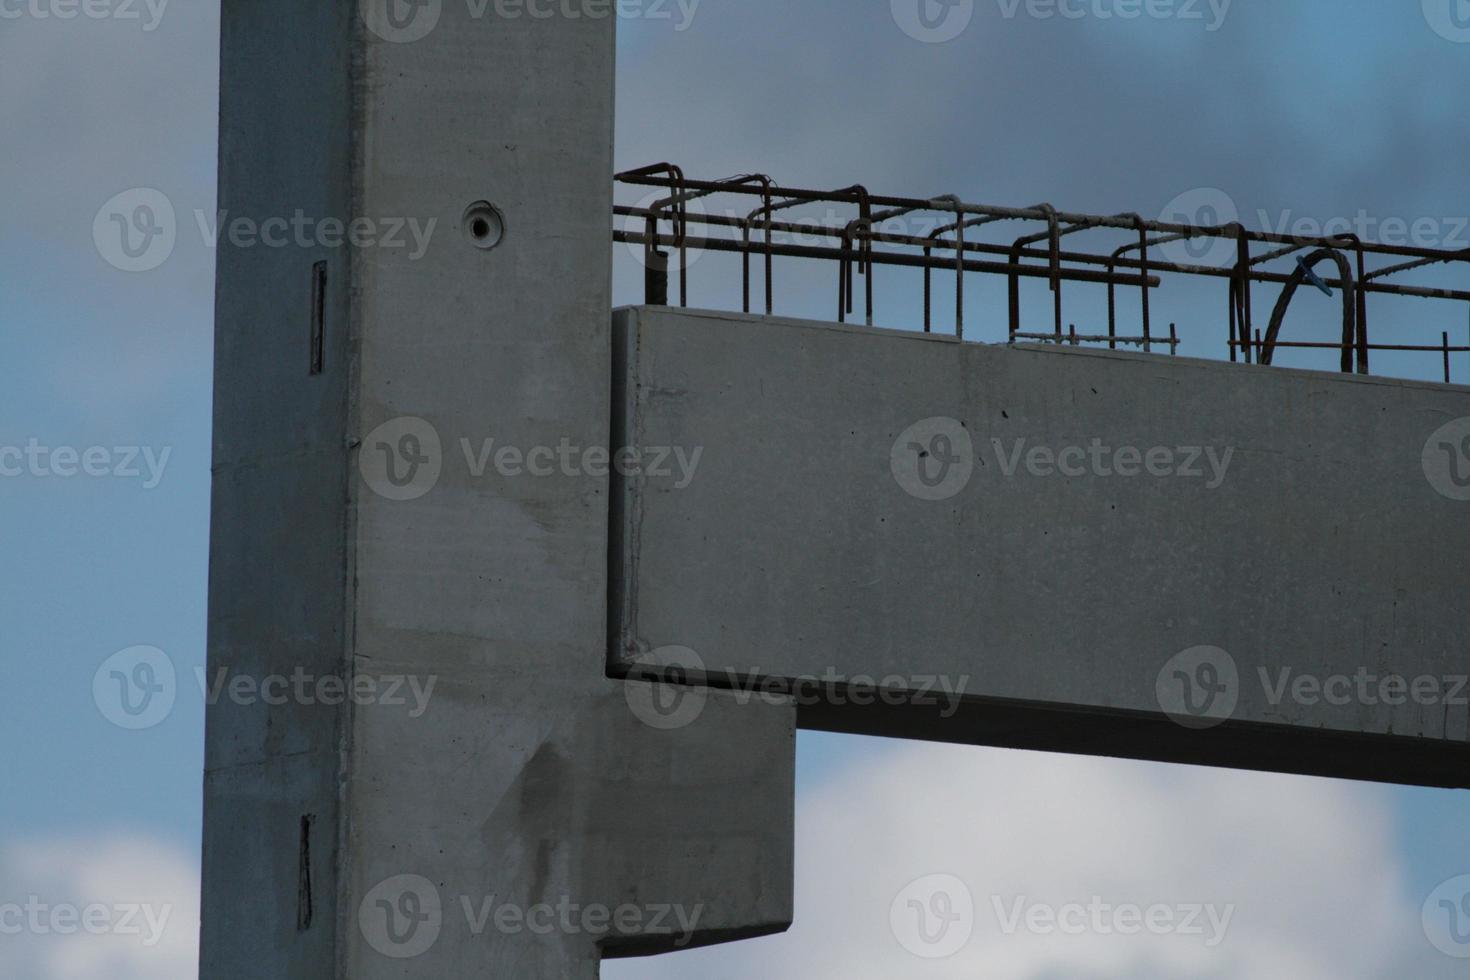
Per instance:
(373,840)
(1072,606)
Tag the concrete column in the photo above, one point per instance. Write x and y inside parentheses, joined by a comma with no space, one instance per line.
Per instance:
(355,539)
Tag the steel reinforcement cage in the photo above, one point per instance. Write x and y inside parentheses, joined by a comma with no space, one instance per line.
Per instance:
(858,244)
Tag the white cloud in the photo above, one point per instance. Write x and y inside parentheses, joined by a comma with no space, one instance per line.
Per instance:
(1306,868)
(120,908)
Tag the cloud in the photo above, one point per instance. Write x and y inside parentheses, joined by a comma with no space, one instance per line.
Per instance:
(123,908)
(1301,874)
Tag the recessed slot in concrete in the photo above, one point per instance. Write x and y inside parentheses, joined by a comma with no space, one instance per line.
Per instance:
(318,317)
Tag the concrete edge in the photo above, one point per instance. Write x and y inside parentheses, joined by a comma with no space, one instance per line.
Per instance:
(1045,349)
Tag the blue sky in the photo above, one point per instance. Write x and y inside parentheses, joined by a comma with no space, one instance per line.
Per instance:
(1315,108)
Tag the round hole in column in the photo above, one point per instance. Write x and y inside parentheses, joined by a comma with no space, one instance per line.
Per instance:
(484,225)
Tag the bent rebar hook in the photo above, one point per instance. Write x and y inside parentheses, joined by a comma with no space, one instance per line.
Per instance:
(1305,274)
